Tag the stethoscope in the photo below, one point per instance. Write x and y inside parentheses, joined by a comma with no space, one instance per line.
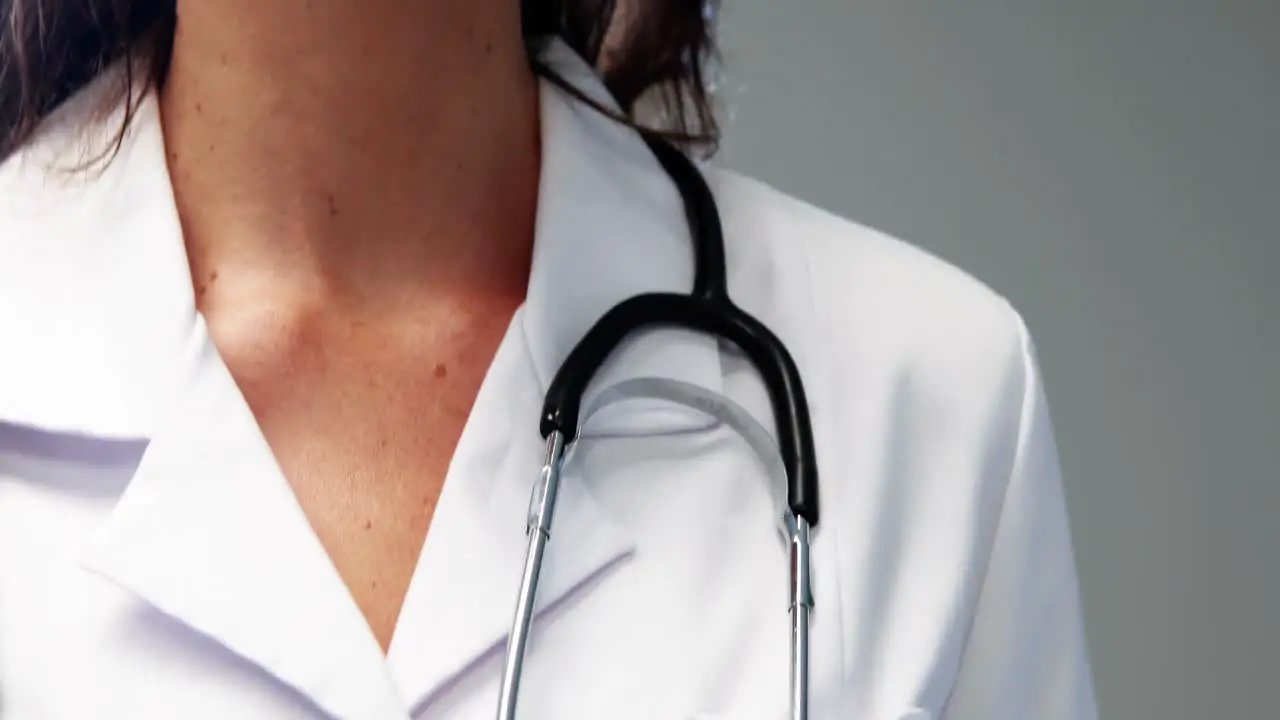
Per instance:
(707,309)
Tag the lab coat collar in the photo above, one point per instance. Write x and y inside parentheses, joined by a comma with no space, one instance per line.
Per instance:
(458,611)
(209,533)
(610,225)
(95,292)
(97,285)
(96,282)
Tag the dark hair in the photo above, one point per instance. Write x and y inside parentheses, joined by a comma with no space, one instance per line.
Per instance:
(49,49)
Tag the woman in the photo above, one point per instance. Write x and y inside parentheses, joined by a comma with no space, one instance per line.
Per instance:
(277,321)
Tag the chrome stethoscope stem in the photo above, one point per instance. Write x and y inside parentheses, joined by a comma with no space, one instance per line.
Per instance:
(541,507)
(801,605)
(795,530)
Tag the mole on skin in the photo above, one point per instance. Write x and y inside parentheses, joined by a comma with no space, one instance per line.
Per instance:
(203,287)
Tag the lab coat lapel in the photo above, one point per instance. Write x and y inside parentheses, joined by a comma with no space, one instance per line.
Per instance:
(459,608)
(209,533)
(610,225)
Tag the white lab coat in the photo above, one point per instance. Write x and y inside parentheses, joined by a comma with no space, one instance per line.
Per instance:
(154,563)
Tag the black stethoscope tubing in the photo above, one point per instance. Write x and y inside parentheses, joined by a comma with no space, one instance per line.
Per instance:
(707,309)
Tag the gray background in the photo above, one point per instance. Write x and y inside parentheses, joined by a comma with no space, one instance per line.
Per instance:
(1112,167)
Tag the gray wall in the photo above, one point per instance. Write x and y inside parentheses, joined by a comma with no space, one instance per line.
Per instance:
(1113,167)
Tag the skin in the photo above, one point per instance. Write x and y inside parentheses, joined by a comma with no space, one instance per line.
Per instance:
(357,184)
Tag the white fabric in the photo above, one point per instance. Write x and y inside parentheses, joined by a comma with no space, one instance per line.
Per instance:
(773,471)
(154,563)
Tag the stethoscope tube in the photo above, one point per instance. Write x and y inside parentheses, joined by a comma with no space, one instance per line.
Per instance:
(706,309)
(778,371)
(794,530)
(538,526)
(801,606)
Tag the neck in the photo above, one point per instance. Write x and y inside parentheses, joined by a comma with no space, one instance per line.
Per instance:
(364,151)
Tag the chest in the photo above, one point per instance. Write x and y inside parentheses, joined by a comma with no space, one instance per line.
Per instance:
(674,626)
(362,421)
(664,591)
(365,456)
